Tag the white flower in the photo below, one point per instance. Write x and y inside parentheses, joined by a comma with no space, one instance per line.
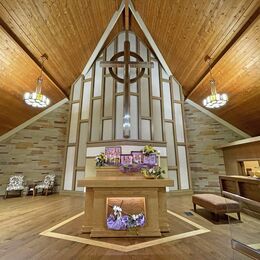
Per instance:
(116,208)
(135,217)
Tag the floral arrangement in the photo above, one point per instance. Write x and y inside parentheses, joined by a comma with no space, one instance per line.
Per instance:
(148,149)
(153,173)
(101,160)
(117,221)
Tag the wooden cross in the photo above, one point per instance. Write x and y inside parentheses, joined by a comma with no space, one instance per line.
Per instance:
(126,64)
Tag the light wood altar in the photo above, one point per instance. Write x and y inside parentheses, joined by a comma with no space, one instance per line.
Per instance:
(100,188)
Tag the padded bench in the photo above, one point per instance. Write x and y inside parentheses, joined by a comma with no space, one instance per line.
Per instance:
(216,204)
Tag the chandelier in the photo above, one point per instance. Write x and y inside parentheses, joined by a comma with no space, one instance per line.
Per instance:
(215,100)
(37,99)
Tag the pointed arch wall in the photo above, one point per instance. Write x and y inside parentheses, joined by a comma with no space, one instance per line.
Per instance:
(96,117)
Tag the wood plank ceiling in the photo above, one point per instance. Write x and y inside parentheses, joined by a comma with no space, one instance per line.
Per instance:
(185,32)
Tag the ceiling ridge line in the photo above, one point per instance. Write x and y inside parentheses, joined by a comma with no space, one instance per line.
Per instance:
(237,36)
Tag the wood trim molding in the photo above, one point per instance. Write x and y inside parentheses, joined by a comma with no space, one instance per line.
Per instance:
(103,38)
(218,119)
(52,232)
(241,142)
(125,142)
(33,119)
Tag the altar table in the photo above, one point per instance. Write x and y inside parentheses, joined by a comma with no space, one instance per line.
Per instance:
(99,189)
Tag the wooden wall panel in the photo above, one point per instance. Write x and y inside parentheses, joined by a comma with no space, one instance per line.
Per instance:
(236,153)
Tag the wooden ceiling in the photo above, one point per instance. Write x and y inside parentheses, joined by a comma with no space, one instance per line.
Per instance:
(185,32)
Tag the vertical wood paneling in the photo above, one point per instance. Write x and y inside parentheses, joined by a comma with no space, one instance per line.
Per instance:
(110,51)
(143,52)
(133,47)
(165,75)
(167,101)
(145,129)
(108,96)
(119,117)
(107,129)
(96,122)
(86,100)
(74,123)
(79,176)
(82,144)
(184,176)
(98,79)
(120,42)
(176,90)
(171,156)
(134,117)
(145,100)
(173,176)
(155,79)
(76,90)
(157,120)
(68,178)
(89,74)
(179,122)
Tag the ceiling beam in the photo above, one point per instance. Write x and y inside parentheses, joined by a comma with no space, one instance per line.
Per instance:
(32,57)
(245,27)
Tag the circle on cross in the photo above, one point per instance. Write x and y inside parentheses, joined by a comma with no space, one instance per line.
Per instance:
(131,64)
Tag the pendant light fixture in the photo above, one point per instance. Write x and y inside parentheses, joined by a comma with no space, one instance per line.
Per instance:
(37,99)
(214,100)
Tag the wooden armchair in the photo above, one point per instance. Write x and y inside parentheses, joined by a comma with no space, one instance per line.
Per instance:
(46,186)
(15,185)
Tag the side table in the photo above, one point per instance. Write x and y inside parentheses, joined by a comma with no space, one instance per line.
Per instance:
(31,189)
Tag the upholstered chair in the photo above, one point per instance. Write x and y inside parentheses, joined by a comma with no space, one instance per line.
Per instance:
(45,186)
(16,184)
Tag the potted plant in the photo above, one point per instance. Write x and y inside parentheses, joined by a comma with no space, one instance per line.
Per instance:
(149,149)
(101,160)
(153,173)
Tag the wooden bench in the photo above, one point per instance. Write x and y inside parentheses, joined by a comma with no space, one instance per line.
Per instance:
(216,204)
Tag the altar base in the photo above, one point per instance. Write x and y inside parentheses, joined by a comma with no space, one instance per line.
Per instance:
(101,188)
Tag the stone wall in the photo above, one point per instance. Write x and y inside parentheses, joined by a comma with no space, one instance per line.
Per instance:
(39,149)
(206,163)
(36,150)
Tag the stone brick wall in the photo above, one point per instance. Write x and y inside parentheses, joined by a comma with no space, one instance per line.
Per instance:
(206,163)
(36,150)
(39,149)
